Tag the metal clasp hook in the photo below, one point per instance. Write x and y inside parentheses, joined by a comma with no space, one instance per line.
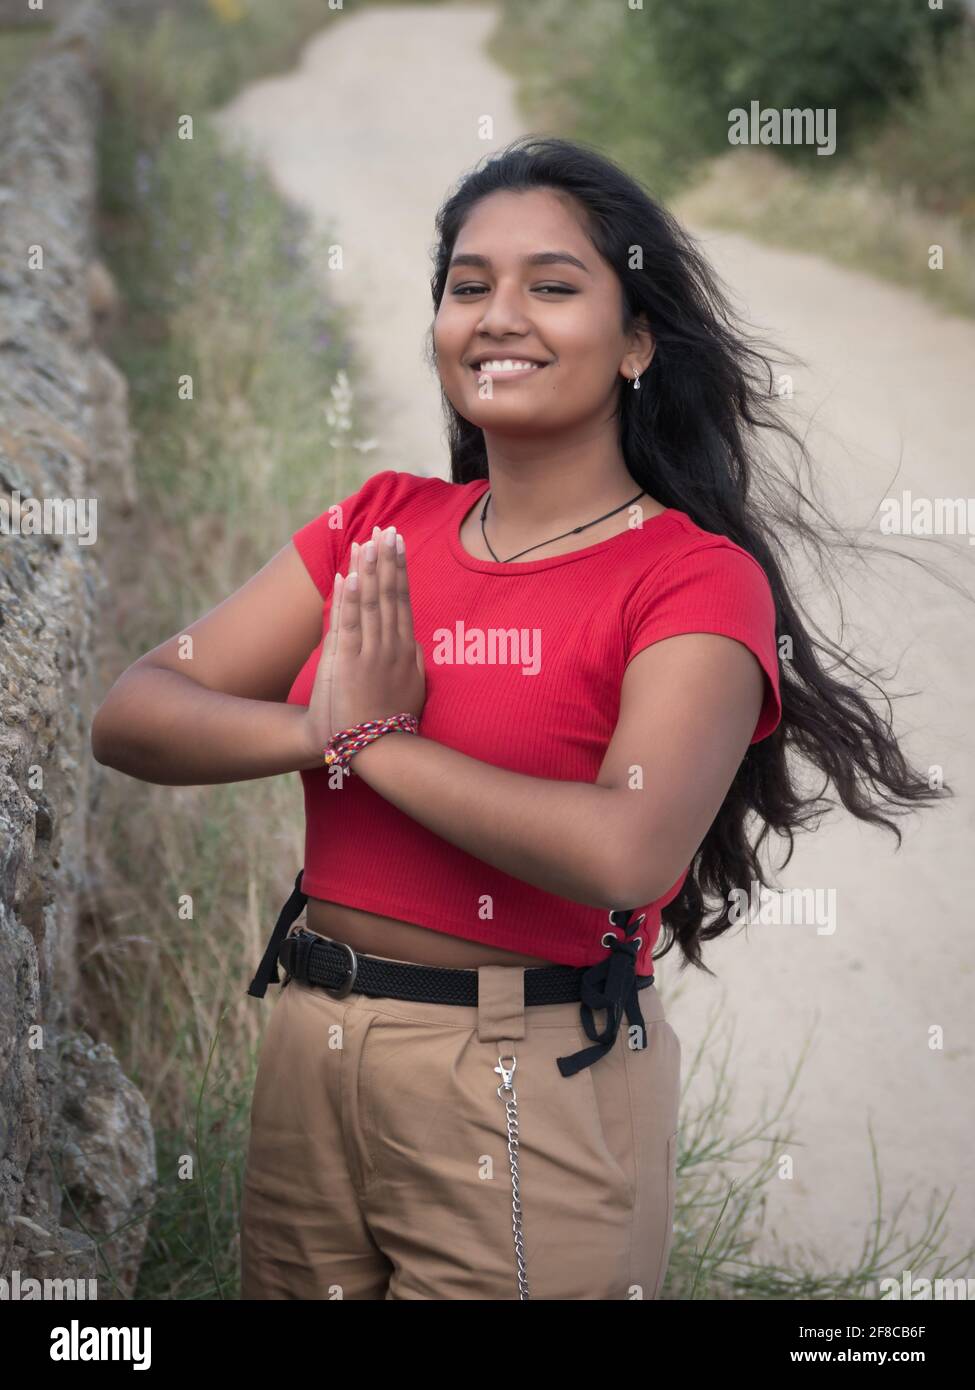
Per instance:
(506,1073)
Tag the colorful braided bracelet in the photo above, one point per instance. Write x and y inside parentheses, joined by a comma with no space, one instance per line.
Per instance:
(341,746)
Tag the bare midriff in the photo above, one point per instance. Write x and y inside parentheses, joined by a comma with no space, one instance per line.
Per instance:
(374,935)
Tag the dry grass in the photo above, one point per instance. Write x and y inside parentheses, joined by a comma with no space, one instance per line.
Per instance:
(221,284)
(852,219)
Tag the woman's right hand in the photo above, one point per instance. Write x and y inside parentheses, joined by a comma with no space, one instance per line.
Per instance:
(319,715)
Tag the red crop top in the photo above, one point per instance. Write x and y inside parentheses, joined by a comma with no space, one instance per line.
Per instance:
(590,612)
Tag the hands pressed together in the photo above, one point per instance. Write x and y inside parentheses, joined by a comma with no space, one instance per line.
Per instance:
(371,664)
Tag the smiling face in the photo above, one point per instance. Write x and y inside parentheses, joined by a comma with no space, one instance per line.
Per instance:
(526,286)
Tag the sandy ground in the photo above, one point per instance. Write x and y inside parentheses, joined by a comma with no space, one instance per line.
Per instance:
(369,133)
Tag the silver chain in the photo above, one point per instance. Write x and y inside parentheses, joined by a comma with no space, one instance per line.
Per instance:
(511,1111)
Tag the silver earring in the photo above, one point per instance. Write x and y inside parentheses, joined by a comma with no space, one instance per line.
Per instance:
(636,382)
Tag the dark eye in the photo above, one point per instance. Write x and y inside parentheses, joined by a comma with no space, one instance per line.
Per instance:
(467,290)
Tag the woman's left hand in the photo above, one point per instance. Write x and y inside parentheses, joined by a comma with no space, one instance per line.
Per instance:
(378,665)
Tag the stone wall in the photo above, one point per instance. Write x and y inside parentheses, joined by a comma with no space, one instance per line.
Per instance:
(77,1156)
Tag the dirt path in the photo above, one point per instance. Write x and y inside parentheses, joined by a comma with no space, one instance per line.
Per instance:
(368,134)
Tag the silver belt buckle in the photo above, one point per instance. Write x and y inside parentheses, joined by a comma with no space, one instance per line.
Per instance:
(346,986)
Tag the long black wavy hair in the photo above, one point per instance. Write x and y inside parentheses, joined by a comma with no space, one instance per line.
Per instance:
(691,437)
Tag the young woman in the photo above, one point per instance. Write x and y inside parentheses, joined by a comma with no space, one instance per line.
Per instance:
(537,711)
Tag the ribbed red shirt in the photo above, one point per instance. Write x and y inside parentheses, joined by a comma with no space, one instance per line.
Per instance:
(546,705)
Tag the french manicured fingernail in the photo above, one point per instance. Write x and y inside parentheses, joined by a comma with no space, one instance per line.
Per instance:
(400,543)
(389,536)
(370,551)
(353,581)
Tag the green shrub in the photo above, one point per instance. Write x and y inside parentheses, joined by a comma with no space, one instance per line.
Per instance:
(929,143)
(591,71)
(855,59)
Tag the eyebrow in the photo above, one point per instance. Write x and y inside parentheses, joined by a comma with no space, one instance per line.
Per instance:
(537,258)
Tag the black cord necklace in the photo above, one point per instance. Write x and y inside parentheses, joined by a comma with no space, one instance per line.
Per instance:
(574,532)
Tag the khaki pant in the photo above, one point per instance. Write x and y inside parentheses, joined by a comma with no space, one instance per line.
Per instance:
(379,1164)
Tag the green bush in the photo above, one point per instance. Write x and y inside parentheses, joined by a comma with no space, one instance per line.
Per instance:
(855,59)
(929,143)
(591,71)
(654,86)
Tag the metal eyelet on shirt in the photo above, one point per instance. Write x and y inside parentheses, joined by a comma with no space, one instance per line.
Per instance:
(609,938)
(612,913)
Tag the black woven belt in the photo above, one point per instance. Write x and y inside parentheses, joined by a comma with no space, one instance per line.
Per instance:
(612,984)
(335,967)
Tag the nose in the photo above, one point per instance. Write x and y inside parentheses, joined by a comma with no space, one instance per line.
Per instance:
(504,313)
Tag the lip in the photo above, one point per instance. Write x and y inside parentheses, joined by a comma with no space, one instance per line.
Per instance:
(518,375)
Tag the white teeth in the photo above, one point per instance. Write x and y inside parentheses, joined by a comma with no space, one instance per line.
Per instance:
(508,365)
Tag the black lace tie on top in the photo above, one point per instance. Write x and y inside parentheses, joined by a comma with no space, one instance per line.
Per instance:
(610,984)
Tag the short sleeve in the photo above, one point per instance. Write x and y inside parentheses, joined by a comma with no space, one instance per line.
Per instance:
(323,542)
(716,588)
